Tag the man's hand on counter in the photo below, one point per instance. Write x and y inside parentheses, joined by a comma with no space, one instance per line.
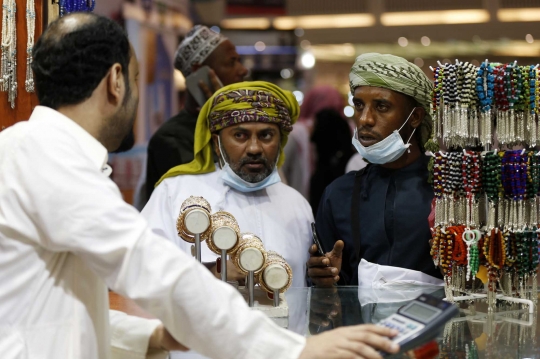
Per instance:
(354,342)
(324,271)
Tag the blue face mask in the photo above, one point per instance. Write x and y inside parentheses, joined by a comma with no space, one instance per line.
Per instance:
(385,151)
(234,181)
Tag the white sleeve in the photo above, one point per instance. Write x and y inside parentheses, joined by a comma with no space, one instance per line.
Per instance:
(130,336)
(114,240)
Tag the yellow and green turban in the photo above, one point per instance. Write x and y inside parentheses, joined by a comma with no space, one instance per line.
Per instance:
(256,101)
(396,74)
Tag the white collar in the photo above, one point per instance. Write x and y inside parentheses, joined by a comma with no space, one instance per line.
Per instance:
(92,147)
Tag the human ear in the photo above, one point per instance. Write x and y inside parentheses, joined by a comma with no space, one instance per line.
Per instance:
(115,84)
(417,116)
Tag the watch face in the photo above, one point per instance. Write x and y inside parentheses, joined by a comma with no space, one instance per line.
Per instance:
(197,221)
(224,238)
(251,259)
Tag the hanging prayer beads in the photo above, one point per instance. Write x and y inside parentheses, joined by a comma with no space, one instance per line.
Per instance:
(30,30)
(8,70)
(485,83)
(510,182)
(467,99)
(69,6)
(487,204)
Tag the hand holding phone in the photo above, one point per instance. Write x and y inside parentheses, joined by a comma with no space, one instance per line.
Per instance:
(316,241)
(324,267)
(200,85)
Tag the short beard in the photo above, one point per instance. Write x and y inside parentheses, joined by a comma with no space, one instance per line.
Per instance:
(250,177)
(120,125)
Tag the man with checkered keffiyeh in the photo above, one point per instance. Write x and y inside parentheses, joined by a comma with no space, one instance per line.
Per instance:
(374,222)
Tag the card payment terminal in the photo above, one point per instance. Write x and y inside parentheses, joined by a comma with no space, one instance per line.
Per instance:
(420,321)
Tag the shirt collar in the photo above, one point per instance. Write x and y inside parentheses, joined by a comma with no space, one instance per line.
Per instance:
(90,146)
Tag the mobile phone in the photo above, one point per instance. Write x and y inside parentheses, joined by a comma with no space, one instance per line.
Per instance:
(316,241)
(192,84)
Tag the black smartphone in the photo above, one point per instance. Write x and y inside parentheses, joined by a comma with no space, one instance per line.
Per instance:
(316,241)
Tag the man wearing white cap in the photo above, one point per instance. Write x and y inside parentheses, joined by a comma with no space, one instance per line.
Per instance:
(172,144)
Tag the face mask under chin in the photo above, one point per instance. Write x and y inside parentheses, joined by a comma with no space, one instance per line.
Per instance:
(231,178)
(388,150)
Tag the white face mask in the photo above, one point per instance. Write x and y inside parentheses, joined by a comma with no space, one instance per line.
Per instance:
(385,151)
(234,181)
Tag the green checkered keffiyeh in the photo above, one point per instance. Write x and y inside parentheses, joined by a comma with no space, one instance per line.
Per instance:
(396,74)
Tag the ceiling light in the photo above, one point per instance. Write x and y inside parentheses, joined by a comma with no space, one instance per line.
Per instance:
(529,38)
(307,60)
(348,49)
(260,46)
(299,32)
(348,111)
(402,41)
(246,23)
(518,15)
(305,44)
(299,96)
(517,50)
(426,41)
(286,73)
(434,17)
(419,62)
(324,21)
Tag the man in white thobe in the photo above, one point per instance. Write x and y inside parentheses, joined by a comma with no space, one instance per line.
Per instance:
(249,142)
(249,122)
(66,234)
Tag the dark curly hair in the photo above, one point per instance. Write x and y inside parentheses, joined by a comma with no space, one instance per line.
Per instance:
(70,61)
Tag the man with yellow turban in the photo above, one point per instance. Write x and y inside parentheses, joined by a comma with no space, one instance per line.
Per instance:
(248,124)
(374,222)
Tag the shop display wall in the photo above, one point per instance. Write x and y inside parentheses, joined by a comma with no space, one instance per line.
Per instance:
(24,102)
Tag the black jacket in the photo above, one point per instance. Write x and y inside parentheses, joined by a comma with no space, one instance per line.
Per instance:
(170,146)
(393,213)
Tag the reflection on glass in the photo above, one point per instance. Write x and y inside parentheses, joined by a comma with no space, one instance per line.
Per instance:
(509,332)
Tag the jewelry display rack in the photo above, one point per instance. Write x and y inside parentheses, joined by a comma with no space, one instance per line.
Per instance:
(22,23)
(487,200)
(196,224)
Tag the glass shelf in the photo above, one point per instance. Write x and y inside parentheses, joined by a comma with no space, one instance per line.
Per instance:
(509,332)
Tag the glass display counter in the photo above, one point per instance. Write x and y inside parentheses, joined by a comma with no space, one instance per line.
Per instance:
(509,332)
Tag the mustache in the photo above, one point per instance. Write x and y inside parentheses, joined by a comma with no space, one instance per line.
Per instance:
(362,131)
(254,160)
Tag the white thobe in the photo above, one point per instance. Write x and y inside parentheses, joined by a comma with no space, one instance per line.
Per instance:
(278,214)
(66,235)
